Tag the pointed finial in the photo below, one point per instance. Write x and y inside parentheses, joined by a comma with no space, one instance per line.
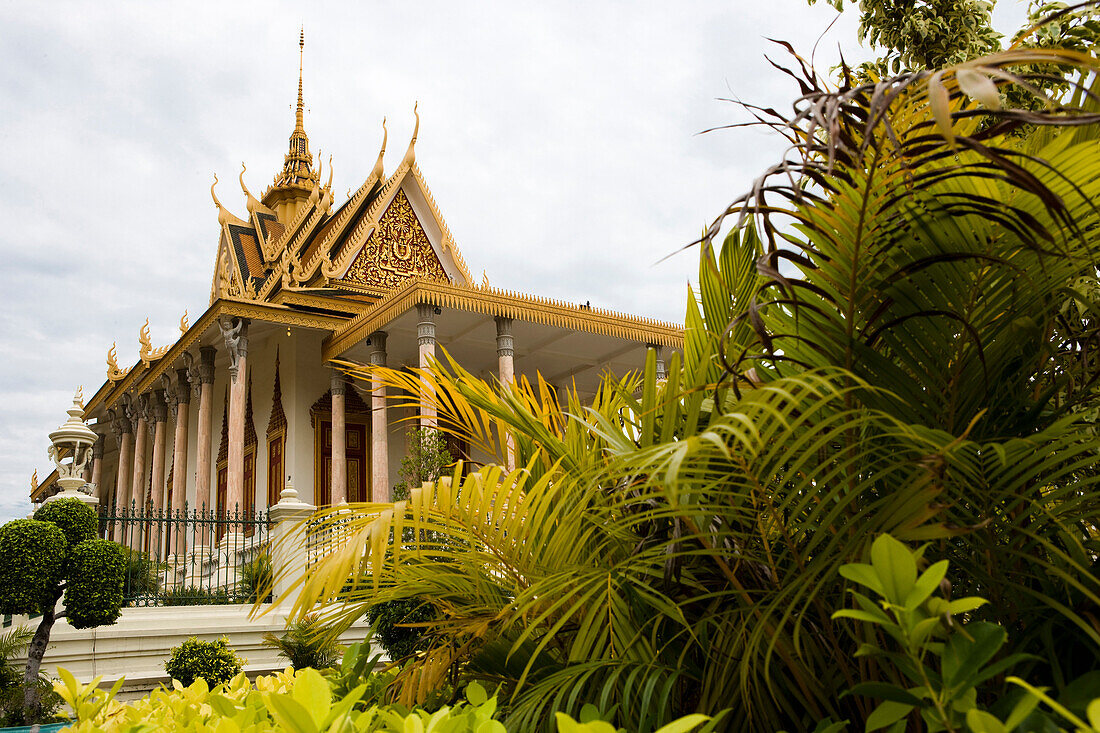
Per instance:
(410,154)
(78,398)
(378,169)
(252,202)
(301,53)
(320,165)
(328,186)
(34,480)
(183,324)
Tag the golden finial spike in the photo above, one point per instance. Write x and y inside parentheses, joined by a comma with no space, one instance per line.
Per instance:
(183,324)
(410,154)
(144,339)
(378,169)
(328,186)
(34,480)
(301,53)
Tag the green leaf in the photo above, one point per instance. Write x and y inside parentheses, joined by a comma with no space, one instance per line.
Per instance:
(979,721)
(939,101)
(884,691)
(684,724)
(289,713)
(476,694)
(313,693)
(964,658)
(1020,711)
(895,567)
(926,585)
(1092,712)
(887,713)
(863,574)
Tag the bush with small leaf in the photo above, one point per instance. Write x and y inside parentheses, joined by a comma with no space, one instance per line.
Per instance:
(213,661)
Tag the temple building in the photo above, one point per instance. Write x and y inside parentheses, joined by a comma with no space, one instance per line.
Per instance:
(247,395)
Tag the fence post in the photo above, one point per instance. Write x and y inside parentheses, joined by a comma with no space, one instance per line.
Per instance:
(288,538)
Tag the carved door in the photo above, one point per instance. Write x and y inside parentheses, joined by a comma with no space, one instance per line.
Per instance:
(222,494)
(355,444)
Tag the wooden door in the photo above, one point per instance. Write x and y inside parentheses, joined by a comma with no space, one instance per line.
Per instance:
(274,469)
(222,494)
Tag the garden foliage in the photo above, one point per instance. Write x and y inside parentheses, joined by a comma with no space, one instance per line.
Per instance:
(306,643)
(288,702)
(896,336)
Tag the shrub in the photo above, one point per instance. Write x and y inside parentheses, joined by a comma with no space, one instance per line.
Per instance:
(213,661)
(75,518)
(306,643)
(194,596)
(257,578)
(90,601)
(33,554)
(390,620)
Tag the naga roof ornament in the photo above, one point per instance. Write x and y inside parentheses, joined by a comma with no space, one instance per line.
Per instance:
(148,353)
(114,374)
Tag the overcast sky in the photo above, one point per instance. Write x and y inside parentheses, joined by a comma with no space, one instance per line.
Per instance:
(560,141)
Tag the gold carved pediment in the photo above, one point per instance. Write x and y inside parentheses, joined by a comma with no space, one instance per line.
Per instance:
(396,251)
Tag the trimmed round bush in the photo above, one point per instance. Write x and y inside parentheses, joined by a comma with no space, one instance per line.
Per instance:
(93,594)
(213,661)
(33,555)
(75,518)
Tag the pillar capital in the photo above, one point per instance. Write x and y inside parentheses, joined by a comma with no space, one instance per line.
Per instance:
(182,387)
(378,348)
(158,405)
(425,327)
(235,332)
(206,364)
(120,423)
(339,383)
(505,341)
(97,448)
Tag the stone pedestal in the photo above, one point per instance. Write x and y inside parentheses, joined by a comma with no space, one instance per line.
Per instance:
(289,554)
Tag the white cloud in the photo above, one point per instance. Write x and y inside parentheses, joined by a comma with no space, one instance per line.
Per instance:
(559,140)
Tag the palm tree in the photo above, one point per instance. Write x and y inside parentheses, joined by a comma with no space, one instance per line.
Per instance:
(896,336)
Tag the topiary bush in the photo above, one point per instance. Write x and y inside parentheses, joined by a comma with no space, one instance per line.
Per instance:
(89,600)
(75,518)
(33,554)
(389,621)
(37,556)
(213,661)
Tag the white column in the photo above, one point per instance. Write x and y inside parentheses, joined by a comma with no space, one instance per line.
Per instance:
(339,479)
(182,394)
(235,331)
(425,335)
(160,442)
(379,425)
(506,367)
(97,470)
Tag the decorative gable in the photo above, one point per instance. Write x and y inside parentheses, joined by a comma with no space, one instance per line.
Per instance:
(396,251)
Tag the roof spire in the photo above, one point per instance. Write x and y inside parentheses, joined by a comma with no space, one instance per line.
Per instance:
(301,52)
(297,172)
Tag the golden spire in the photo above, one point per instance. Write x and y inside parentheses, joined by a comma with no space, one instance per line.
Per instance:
(298,165)
(301,53)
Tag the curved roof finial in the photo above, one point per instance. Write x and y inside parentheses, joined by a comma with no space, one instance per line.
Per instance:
(378,169)
(410,154)
(328,186)
(252,202)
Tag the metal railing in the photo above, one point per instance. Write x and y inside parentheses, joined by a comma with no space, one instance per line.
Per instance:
(190,557)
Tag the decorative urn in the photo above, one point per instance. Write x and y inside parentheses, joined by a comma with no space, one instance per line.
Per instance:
(71,450)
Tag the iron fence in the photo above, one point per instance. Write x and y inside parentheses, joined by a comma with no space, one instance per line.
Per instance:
(190,557)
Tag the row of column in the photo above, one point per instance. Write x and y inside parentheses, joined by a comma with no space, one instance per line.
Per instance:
(135,418)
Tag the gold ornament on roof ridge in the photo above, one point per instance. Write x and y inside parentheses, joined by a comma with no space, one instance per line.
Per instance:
(184,324)
(147,352)
(114,374)
(34,481)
